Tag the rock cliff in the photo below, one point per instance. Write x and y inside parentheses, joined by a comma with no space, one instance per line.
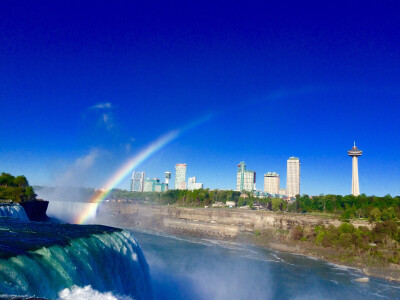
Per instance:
(216,222)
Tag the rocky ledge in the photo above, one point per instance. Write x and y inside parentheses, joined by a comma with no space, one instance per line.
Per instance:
(36,210)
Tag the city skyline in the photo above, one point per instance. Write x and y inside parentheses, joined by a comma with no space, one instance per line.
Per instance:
(80,101)
(245,180)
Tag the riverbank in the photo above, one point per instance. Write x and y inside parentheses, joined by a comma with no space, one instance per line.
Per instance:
(261,228)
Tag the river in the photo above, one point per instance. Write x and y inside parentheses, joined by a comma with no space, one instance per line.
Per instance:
(193,268)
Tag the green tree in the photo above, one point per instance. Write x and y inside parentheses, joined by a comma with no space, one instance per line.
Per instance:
(21,181)
(6,179)
(375,214)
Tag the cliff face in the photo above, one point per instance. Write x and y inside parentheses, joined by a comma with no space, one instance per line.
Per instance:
(36,210)
(240,226)
(217,222)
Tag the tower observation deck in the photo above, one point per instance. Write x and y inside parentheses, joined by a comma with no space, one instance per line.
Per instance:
(355,153)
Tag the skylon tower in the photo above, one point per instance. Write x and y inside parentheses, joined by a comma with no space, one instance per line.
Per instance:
(355,153)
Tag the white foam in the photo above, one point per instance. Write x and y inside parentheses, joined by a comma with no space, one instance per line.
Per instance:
(87,292)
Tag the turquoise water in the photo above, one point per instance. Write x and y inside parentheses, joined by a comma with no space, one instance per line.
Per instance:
(13,210)
(99,262)
(192,268)
(44,259)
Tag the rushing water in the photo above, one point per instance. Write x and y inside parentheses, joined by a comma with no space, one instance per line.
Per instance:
(13,210)
(97,262)
(62,260)
(193,268)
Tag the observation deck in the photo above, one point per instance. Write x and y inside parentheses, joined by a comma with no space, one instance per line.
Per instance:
(354,151)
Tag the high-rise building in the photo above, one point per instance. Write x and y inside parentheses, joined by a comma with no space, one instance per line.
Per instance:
(137,181)
(154,185)
(180,176)
(355,153)
(191,180)
(245,179)
(293,177)
(193,184)
(282,192)
(271,183)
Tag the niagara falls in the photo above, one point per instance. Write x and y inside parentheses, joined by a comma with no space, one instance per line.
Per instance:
(199,150)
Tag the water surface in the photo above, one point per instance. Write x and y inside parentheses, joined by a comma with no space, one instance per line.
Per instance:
(193,268)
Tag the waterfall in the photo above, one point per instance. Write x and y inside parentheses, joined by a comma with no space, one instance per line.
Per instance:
(68,211)
(13,210)
(107,259)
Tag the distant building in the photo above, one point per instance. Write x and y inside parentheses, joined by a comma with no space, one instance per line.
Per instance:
(271,183)
(230,203)
(193,185)
(154,185)
(245,179)
(167,176)
(282,191)
(293,177)
(137,181)
(191,180)
(180,176)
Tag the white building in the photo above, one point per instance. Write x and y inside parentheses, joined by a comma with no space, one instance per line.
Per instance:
(271,183)
(193,185)
(191,181)
(137,182)
(180,176)
(282,192)
(167,176)
(293,177)
(148,185)
(245,179)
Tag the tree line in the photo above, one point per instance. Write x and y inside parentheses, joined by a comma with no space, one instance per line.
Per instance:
(15,188)
(349,207)
(346,207)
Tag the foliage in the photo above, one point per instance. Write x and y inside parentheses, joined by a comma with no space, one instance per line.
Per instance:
(16,189)
(374,208)
(382,241)
(200,197)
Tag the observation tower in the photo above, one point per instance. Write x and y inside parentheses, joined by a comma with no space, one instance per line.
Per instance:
(355,153)
(167,177)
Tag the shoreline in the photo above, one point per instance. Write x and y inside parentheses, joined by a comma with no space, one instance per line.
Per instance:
(256,228)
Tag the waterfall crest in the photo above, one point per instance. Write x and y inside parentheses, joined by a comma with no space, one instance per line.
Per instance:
(13,210)
(64,256)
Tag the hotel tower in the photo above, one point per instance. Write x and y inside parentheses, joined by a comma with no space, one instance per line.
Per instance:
(180,176)
(293,177)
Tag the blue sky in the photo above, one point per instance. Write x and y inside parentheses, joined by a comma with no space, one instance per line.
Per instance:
(84,85)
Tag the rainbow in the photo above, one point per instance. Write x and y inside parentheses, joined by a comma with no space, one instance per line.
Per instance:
(131,164)
(123,171)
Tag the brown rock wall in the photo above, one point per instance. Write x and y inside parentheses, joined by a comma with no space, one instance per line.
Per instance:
(216,221)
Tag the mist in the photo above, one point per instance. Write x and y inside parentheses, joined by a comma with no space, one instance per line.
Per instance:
(200,269)
(66,195)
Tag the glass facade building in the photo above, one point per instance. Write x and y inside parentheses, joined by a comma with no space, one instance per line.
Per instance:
(180,176)
(245,179)
(137,181)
